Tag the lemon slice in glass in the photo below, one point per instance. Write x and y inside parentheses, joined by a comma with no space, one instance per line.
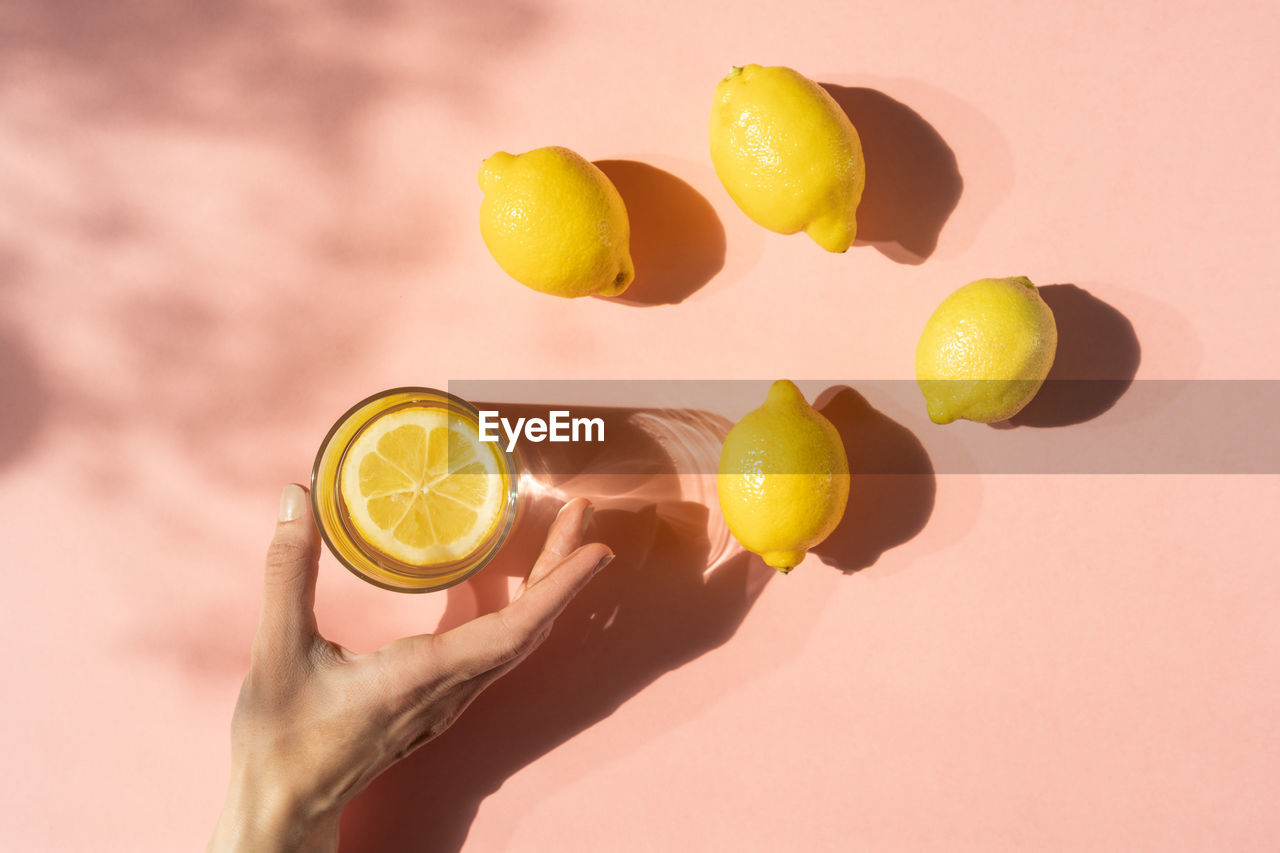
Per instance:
(421,487)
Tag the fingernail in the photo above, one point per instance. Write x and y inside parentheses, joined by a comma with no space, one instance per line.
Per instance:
(293,502)
(600,565)
(586,517)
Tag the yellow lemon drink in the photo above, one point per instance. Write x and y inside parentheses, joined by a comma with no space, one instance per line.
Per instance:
(406,494)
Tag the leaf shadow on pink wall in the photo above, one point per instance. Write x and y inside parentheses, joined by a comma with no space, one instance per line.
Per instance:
(311,73)
(228,189)
(24,395)
(913,180)
(25,399)
(230,295)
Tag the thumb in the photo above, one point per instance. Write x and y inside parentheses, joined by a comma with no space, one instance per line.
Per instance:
(288,623)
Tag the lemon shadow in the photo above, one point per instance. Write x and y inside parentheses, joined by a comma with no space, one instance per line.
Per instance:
(913,180)
(677,240)
(892,486)
(1097,358)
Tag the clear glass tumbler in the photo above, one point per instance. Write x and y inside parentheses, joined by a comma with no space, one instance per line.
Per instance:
(334,519)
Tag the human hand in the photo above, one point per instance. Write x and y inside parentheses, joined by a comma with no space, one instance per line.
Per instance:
(315,723)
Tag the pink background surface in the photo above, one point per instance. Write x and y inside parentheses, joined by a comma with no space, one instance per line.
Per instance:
(221,227)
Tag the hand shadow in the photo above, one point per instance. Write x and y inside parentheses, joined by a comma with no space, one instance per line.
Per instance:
(913,182)
(892,489)
(677,241)
(1097,358)
(668,597)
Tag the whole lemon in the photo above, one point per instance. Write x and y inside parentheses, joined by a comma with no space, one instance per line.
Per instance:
(783,479)
(555,223)
(986,351)
(787,154)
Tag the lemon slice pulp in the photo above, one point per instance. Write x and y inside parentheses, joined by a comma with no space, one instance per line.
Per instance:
(421,487)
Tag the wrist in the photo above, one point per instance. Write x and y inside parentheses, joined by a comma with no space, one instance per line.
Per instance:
(266,817)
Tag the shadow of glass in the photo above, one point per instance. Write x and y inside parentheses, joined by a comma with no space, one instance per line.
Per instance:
(25,398)
(677,241)
(913,181)
(892,489)
(1098,356)
(672,594)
